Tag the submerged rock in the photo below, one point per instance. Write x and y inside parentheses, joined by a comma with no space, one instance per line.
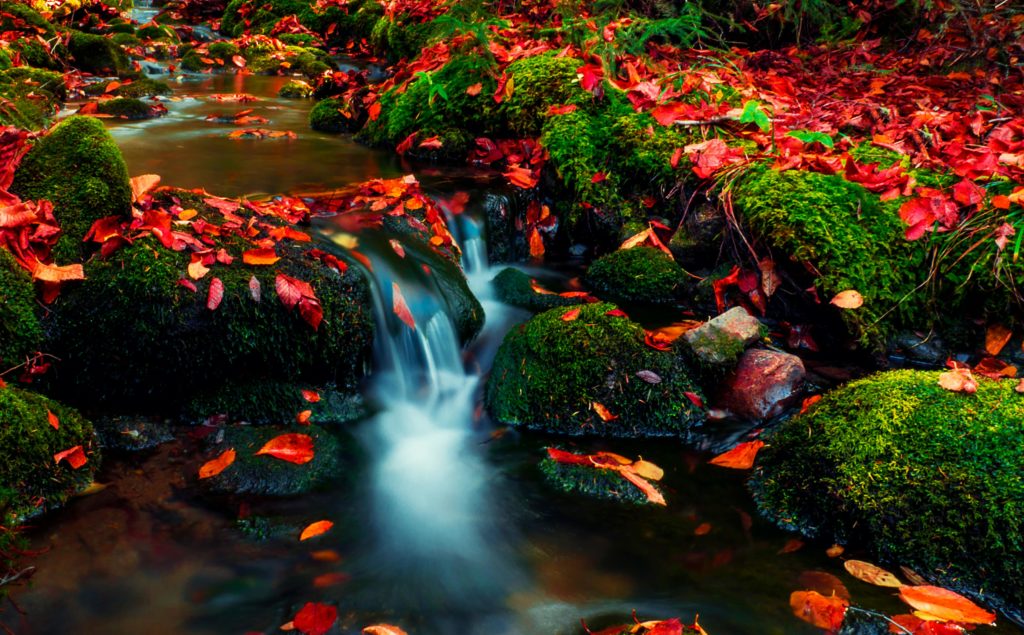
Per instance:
(923,476)
(31,481)
(721,340)
(763,383)
(592,482)
(583,376)
(132,433)
(641,275)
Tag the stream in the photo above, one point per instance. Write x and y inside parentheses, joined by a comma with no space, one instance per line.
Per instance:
(444,526)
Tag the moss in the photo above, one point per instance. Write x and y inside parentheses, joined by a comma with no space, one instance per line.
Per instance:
(33,53)
(21,17)
(83,147)
(125,108)
(97,54)
(20,332)
(30,97)
(296,90)
(157,32)
(326,116)
(396,39)
(540,82)
(641,275)
(512,286)
(223,50)
(548,372)
(846,234)
(130,334)
(275,402)
(928,477)
(30,480)
(592,482)
(126,39)
(269,476)
(642,153)
(145,87)
(34,80)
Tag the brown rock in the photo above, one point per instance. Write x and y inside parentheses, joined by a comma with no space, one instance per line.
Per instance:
(762,385)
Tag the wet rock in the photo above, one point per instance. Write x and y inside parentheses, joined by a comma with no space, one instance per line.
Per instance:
(698,238)
(128,108)
(269,476)
(910,471)
(641,275)
(916,348)
(295,89)
(97,54)
(591,482)
(763,383)
(31,97)
(860,623)
(131,434)
(276,402)
(720,340)
(580,377)
(513,287)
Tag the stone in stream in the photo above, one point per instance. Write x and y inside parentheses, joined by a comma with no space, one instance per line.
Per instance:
(720,340)
(641,275)
(917,474)
(763,383)
(514,287)
(577,374)
(592,482)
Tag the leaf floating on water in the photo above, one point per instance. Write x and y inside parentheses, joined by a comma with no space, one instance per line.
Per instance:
(636,472)
(74,456)
(649,376)
(945,605)
(315,529)
(793,544)
(918,626)
(383,629)
(292,447)
(867,572)
(818,610)
(315,618)
(849,299)
(824,583)
(400,307)
(217,465)
(740,457)
(835,551)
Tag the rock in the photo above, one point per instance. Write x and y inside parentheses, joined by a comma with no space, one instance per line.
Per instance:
(591,482)
(31,97)
(762,384)
(698,238)
(556,375)
(97,54)
(720,340)
(20,331)
(513,287)
(131,434)
(641,275)
(31,481)
(296,89)
(276,402)
(128,108)
(913,473)
(913,347)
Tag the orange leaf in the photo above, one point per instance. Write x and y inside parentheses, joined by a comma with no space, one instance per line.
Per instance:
(292,447)
(702,529)
(536,244)
(302,418)
(814,608)
(958,380)
(56,273)
(848,299)
(217,465)
(142,184)
(315,529)
(570,315)
(945,605)
(196,269)
(867,572)
(521,177)
(996,337)
(400,307)
(332,578)
(651,492)
(75,457)
(311,396)
(603,412)
(238,60)
(475,89)
(383,629)
(259,257)
(54,421)
(740,457)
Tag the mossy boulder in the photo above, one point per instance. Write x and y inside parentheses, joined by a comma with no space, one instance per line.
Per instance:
(33,53)
(591,482)
(540,82)
(926,477)
(276,402)
(97,54)
(131,335)
(145,87)
(265,475)
(30,97)
(515,287)
(30,480)
(126,108)
(295,89)
(550,372)
(20,332)
(331,116)
(641,275)
(80,146)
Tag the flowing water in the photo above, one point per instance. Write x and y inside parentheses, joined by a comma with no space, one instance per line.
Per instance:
(444,526)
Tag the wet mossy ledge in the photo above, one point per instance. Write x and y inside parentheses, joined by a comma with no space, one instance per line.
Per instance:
(31,481)
(555,375)
(641,275)
(923,476)
(591,482)
(515,287)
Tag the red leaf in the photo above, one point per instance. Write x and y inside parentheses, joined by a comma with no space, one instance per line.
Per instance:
(374,111)
(311,312)
(238,60)
(406,144)
(521,177)
(315,529)
(302,418)
(315,618)
(75,457)
(291,290)
(815,608)
(400,307)
(945,604)
(311,396)
(292,447)
(217,465)
(562,110)
(215,295)
(570,315)
(616,313)
(967,192)
(740,457)
(695,399)
(54,421)
(599,177)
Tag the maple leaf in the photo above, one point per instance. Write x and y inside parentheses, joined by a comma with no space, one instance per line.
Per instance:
(292,447)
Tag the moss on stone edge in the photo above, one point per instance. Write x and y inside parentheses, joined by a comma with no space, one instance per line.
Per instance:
(97,54)
(641,275)
(548,372)
(20,332)
(326,116)
(30,97)
(592,482)
(928,477)
(125,108)
(80,146)
(512,286)
(139,88)
(296,90)
(275,402)
(540,82)
(269,476)
(30,480)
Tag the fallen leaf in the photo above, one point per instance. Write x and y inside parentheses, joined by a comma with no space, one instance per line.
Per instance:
(302,418)
(649,376)
(867,572)
(835,551)
(475,89)
(292,447)
(570,315)
(603,411)
(945,605)
(332,578)
(217,465)
(648,470)
(848,299)
(142,184)
(996,338)
(958,380)
(793,544)
(196,269)
(740,457)
(702,529)
(383,629)
(818,610)
(54,421)
(311,396)
(400,307)
(824,583)
(215,294)
(315,529)
(260,257)
(315,618)
(75,457)
(255,289)
(56,273)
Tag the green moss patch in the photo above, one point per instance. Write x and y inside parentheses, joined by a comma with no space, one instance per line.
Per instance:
(592,482)
(20,332)
(276,402)
(30,97)
(641,275)
(927,477)
(126,108)
(514,287)
(549,372)
(97,54)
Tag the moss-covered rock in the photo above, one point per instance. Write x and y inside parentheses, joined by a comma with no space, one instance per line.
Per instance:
(269,476)
(20,332)
(97,54)
(80,146)
(131,335)
(514,287)
(30,97)
(540,82)
(35,54)
(296,90)
(330,115)
(927,477)
(145,87)
(549,373)
(19,16)
(592,482)
(30,480)
(276,402)
(126,108)
(641,275)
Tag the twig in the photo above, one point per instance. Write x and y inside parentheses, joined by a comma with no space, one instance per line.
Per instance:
(903,629)
(13,577)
